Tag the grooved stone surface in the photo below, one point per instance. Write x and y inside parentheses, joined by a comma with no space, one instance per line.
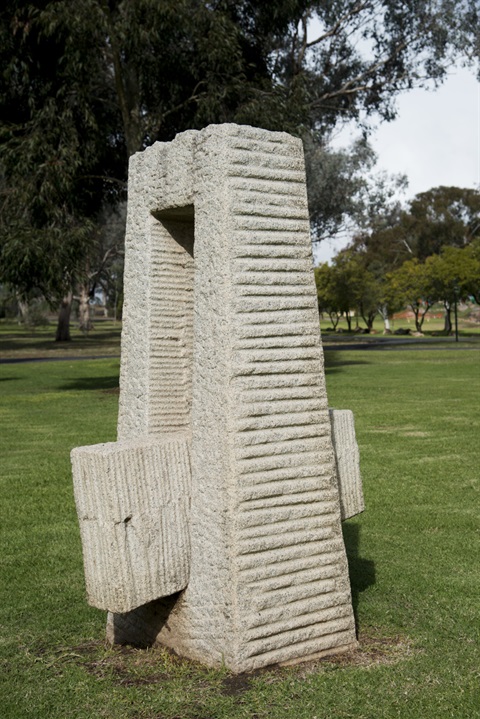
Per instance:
(133,504)
(347,457)
(221,340)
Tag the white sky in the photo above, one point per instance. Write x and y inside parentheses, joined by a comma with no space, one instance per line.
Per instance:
(435,140)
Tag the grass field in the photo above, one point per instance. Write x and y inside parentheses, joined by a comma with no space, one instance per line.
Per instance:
(17,341)
(413,557)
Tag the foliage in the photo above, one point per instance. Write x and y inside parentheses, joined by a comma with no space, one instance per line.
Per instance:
(343,192)
(359,55)
(327,296)
(54,142)
(441,217)
(444,223)
(453,275)
(84,86)
(472,252)
(349,285)
(411,285)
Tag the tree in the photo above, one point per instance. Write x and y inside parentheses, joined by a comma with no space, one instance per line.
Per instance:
(343,192)
(357,286)
(54,147)
(443,217)
(411,285)
(453,275)
(85,85)
(102,265)
(326,293)
(364,52)
(348,285)
(345,270)
(440,218)
(472,251)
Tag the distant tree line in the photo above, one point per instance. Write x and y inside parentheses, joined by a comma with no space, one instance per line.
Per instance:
(85,84)
(415,258)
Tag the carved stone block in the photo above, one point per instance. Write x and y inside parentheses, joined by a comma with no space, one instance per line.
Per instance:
(221,342)
(347,458)
(132,502)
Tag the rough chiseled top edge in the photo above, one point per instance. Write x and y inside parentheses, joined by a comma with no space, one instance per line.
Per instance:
(227,129)
(130,444)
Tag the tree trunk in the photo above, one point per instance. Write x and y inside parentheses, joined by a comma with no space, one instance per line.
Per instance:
(22,311)
(387,330)
(349,321)
(334,319)
(63,326)
(416,312)
(447,328)
(127,87)
(85,323)
(369,320)
(419,317)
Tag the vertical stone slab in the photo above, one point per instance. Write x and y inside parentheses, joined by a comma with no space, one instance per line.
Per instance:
(347,458)
(268,579)
(291,573)
(157,335)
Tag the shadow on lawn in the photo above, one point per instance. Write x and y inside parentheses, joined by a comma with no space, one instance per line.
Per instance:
(140,627)
(93,383)
(361,571)
(335,361)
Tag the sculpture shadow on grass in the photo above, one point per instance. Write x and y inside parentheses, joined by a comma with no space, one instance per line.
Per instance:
(335,361)
(109,383)
(140,627)
(361,571)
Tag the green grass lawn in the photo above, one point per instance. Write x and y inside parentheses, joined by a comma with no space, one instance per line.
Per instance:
(413,557)
(20,342)
(17,341)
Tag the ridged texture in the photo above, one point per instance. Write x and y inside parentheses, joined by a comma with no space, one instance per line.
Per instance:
(348,462)
(292,583)
(171,328)
(269,579)
(154,348)
(133,507)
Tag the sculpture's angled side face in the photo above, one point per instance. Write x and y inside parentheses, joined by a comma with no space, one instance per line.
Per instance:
(221,347)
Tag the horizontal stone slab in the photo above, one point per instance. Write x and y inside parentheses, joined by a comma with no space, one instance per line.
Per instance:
(132,501)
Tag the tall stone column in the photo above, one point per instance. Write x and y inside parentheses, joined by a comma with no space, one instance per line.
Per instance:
(221,344)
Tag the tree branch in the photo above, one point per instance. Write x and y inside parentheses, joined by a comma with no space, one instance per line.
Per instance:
(338,25)
(105,178)
(347,88)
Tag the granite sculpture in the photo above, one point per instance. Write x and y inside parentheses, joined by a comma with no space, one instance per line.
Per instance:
(213,524)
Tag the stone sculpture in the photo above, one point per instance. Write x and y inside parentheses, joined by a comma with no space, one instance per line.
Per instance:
(213,524)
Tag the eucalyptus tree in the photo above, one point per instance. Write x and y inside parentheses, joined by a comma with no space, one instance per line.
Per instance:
(411,285)
(86,84)
(453,275)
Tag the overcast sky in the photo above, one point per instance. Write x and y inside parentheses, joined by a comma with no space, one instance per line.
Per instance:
(435,140)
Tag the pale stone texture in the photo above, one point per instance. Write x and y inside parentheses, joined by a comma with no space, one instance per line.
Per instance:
(268,572)
(133,504)
(347,458)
